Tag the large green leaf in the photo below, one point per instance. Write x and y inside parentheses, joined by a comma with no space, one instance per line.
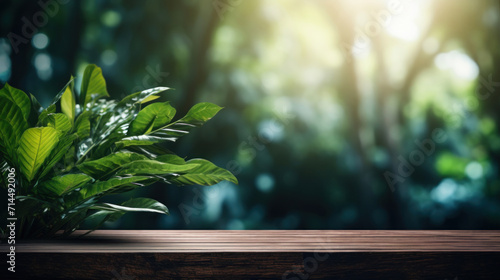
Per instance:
(171,158)
(152,117)
(35,146)
(63,146)
(134,205)
(106,166)
(206,173)
(101,187)
(68,101)
(19,98)
(93,83)
(113,212)
(200,113)
(12,122)
(196,117)
(153,167)
(12,114)
(60,185)
(58,121)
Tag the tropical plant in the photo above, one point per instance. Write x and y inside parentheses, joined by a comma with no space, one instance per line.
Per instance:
(82,147)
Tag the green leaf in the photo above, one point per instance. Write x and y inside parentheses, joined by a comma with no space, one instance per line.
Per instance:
(98,218)
(69,158)
(19,98)
(36,109)
(63,146)
(206,174)
(196,117)
(73,201)
(200,113)
(112,212)
(63,184)
(82,125)
(101,187)
(7,141)
(141,140)
(112,129)
(153,167)
(106,166)
(35,146)
(155,115)
(12,126)
(93,83)
(13,115)
(141,97)
(171,158)
(149,99)
(134,205)
(53,106)
(68,103)
(151,151)
(58,121)
(45,113)
(105,147)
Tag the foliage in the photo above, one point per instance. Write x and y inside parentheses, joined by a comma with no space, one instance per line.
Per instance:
(83,147)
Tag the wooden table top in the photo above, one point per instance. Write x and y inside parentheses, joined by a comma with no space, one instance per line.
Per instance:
(210,241)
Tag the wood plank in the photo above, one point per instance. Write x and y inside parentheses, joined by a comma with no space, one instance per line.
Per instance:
(262,254)
(212,241)
(135,266)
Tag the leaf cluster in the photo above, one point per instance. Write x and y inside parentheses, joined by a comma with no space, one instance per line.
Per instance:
(84,146)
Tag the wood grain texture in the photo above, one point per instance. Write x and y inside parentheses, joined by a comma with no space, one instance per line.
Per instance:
(266,254)
(210,241)
(291,266)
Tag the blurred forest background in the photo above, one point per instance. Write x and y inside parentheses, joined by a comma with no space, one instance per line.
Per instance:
(338,114)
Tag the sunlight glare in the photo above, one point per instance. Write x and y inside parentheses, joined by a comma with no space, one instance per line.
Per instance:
(460,64)
(405,25)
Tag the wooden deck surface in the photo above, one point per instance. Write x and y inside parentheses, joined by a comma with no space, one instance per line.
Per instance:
(208,241)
